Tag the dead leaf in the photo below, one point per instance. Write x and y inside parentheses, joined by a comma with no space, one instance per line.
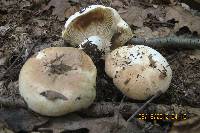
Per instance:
(62,8)
(144,32)
(138,15)
(57,124)
(21,120)
(195,54)
(4,129)
(94,125)
(117,4)
(72,10)
(133,15)
(184,18)
(40,22)
(191,125)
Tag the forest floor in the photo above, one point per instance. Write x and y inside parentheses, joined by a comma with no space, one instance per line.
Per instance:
(28,26)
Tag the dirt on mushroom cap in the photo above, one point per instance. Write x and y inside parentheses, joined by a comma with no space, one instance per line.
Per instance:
(53,80)
(138,71)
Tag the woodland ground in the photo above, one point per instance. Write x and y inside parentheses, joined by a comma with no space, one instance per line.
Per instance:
(27,26)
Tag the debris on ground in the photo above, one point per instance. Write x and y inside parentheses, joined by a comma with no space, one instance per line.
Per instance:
(28,26)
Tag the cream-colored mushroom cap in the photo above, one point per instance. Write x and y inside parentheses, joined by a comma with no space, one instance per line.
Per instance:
(101,25)
(58,80)
(138,71)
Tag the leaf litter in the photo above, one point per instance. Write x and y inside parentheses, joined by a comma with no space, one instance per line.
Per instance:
(147,20)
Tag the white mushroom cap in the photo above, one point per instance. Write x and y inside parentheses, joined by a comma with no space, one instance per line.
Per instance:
(58,80)
(99,24)
(138,71)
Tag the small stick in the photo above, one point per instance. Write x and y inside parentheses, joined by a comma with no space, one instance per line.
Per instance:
(171,42)
(117,112)
(12,65)
(21,53)
(144,105)
(29,53)
(121,102)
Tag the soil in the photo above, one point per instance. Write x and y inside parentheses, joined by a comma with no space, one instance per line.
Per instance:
(24,25)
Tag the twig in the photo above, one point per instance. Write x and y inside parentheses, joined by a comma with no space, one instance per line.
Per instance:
(12,65)
(144,105)
(117,112)
(121,102)
(29,53)
(171,42)
(101,2)
(21,53)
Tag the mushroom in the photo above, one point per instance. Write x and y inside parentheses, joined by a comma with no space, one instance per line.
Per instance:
(138,71)
(58,80)
(100,25)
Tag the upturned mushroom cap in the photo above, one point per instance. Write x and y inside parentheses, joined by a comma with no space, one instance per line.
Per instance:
(138,71)
(101,25)
(58,80)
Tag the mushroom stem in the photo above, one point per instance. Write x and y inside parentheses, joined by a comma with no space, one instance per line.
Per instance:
(97,24)
(96,40)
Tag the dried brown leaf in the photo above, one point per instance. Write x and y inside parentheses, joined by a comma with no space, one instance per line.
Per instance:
(133,15)
(21,120)
(70,11)
(147,33)
(4,129)
(117,4)
(144,32)
(191,125)
(95,125)
(62,8)
(138,15)
(195,55)
(184,18)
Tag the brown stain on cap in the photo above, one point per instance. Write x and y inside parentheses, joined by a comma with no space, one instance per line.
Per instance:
(84,21)
(127,81)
